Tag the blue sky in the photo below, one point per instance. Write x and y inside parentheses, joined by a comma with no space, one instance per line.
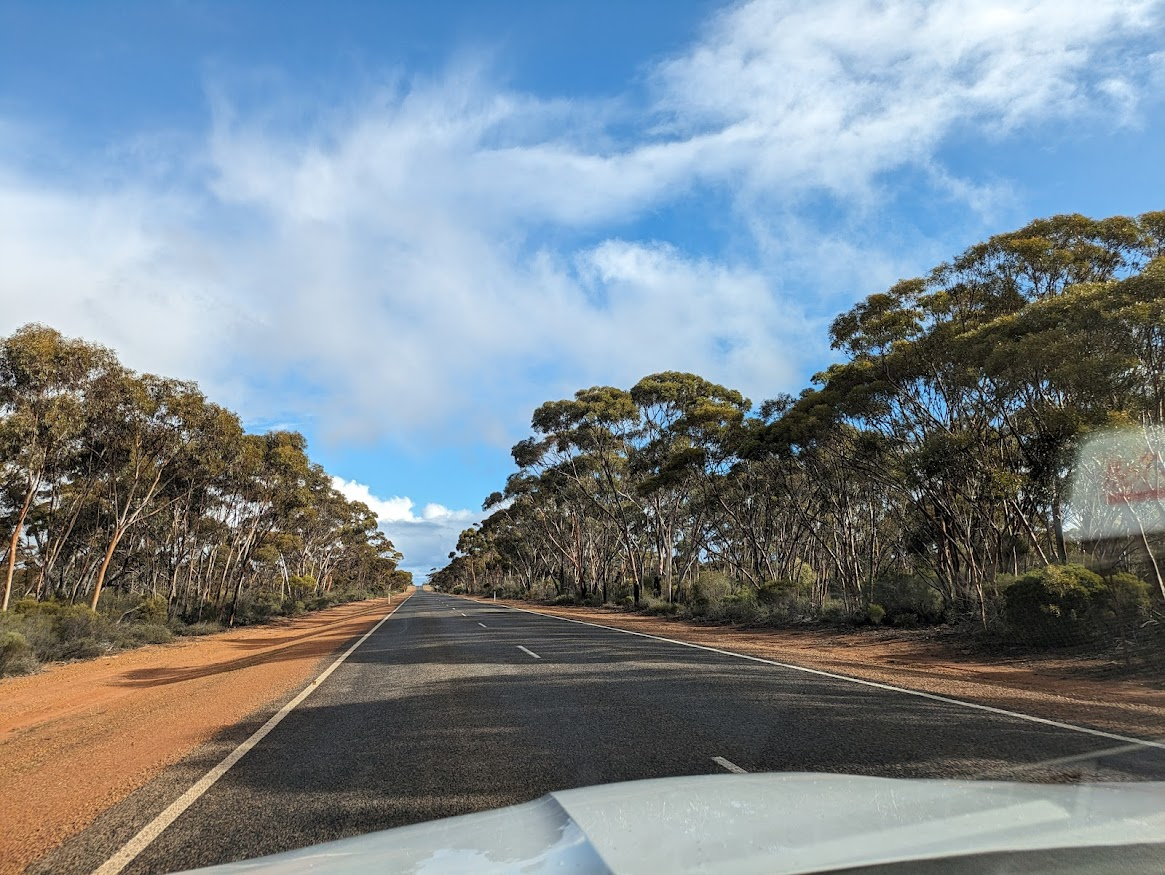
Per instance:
(400,227)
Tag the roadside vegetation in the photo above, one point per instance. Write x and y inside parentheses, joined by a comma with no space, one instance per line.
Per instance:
(133,509)
(921,480)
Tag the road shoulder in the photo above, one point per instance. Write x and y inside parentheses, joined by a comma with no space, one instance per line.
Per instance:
(81,737)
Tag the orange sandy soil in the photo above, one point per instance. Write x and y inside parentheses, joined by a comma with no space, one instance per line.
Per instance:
(1061,687)
(80,737)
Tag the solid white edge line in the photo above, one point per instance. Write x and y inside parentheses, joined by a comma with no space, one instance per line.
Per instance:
(531,652)
(157,826)
(729,765)
(934,697)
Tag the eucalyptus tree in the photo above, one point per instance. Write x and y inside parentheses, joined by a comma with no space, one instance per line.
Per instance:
(679,457)
(45,382)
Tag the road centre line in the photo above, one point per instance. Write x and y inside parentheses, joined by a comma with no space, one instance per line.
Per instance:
(157,826)
(531,652)
(934,697)
(482,625)
(730,766)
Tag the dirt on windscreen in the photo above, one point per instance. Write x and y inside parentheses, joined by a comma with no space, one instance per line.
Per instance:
(82,736)
(1070,688)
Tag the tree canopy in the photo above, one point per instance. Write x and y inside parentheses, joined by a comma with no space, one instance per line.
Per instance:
(112,480)
(934,457)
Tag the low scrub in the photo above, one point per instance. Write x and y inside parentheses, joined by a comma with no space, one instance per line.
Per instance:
(908,600)
(35,632)
(1066,604)
(16,656)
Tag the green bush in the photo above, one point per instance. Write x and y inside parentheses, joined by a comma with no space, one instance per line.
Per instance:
(59,630)
(875,614)
(908,600)
(660,607)
(834,611)
(82,648)
(208,627)
(16,656)
(148,633)
(1122,604)
(787,601)
(1052,605)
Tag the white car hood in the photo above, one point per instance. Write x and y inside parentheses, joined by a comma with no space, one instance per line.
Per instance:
(766,823)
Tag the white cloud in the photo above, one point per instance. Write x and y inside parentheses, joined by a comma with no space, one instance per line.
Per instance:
(833,94)
(388,510)
(424,539)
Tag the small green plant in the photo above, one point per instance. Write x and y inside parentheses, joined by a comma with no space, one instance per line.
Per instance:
(16,656)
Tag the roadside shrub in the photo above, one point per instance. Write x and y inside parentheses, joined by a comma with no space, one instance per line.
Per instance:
(908,600)
(787,601)
(773,592)
(739,610)
(148,633)
(564,599)
(302,587)
(875,614)
(710,588)
(1122,604)
(1052,605)
(124,608)
(16,656)
(82,648)
(207,627)
(59,630)
(834,611)
(660,607)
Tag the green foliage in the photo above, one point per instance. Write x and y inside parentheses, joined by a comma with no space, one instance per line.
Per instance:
(211,627)
(1123,604)
(16,655)
(133,493)
(1052,605)
(834,611)
(875,613)
(660,607)
(909,600)
(710,588)
(148,633)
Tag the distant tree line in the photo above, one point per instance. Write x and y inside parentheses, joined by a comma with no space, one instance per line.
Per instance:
(135,487)
(916,480)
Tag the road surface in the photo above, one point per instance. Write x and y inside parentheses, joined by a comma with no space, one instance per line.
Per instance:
(453,706)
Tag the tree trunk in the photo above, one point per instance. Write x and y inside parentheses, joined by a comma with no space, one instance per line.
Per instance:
(100,581)
(14,542)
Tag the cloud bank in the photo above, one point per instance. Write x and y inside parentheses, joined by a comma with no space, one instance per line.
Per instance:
(424,539)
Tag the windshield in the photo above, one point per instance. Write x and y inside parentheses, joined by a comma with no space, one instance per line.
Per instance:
(412,411)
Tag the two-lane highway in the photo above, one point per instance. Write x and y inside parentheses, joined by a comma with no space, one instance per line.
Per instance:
(454,706)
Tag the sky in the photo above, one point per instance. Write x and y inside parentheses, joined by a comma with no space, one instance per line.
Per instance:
(400,227)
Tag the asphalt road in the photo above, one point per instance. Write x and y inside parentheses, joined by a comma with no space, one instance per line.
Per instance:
(455,706)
